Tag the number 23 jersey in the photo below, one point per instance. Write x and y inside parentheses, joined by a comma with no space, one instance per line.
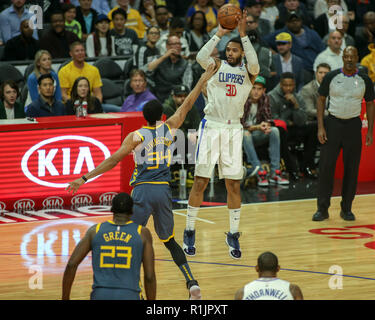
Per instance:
(227,92)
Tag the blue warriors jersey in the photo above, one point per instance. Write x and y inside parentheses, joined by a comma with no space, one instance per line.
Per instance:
(153,157)
(117,252)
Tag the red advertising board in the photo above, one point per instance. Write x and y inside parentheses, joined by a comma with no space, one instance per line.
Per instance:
(38,159)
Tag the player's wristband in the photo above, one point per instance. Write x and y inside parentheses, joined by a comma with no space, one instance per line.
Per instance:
(84,178)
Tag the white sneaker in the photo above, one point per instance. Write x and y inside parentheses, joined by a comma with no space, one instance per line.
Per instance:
(195,293)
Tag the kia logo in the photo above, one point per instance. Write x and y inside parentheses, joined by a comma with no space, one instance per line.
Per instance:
(24,204)
(46,155)
(2,206)
(53,203)
(81,200)
(106,198)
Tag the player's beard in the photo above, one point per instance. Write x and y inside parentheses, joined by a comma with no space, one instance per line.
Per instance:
(235,62)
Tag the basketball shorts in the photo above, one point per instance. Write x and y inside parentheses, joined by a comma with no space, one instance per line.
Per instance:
(115,294)
(155,199)
(220,143)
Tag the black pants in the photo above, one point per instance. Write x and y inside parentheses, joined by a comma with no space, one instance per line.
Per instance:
(345,134)
(308,135)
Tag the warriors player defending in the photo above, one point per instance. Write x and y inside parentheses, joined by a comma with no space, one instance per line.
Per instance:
(220,132)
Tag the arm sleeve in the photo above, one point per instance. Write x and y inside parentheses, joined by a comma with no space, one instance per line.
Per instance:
(251,56)
(204,55)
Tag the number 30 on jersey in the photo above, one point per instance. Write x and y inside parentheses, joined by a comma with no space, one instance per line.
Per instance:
(231,90)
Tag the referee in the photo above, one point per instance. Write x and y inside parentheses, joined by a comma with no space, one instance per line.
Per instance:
(345,89)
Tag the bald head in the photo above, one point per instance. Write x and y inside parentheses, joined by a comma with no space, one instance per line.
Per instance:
(350,59)
(268,262)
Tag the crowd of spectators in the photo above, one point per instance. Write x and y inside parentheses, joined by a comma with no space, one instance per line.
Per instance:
(297,43)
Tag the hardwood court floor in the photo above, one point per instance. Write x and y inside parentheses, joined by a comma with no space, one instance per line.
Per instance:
(42,248)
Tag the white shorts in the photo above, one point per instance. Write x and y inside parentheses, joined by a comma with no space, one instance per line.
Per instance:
(220,143)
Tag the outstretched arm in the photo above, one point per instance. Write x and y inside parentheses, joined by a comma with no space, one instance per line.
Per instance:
(178,118)
(204,55)
(129,144)
(250,54)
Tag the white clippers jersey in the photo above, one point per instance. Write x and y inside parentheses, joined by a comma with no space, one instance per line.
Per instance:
(227,92)
(267,289)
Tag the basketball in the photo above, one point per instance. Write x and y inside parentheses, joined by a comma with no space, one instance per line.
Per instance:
(227,16)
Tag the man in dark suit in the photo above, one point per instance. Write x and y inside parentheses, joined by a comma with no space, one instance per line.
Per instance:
(285,61)
(9,107)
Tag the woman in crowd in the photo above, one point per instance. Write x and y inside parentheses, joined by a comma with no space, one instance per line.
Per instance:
(100,43)
(80,94)
(42,65)
(197,34)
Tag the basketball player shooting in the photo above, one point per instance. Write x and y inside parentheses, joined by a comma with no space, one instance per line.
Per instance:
(220,132)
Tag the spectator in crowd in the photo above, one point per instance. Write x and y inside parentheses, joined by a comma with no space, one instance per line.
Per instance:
(270,12)
(174,101)
(369,62)
(9,107)
(286,105)
(309,93)
(366,34)
(306,42)
(254,7)
(258,131)
(141,95)
(331,19)
(343,27)
(196,34)
(170,69)
(147,11)
(176,28)
(125,39)
(86,16)
(134,19)
(100,43)
(100,6)
(45,105)
(57,40)
(285,61)
(22,47)
(207,9)
(71,24)
(78,68)
(11,18)
(81,93)
(333,54)
(191,122)
(42,65)
(162,19)
(148,52)
(265,60)
(286,7)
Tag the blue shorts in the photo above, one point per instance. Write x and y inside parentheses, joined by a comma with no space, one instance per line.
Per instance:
(115,294)
(155,199)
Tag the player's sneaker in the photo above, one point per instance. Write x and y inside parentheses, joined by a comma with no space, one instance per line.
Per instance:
(262,179)
(194,290)
(189,242)
(278,179)
(233,244)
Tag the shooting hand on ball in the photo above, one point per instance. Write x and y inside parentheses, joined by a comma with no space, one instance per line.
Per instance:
(221,31)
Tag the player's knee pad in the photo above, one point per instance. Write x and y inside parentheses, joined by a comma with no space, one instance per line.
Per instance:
(177,253)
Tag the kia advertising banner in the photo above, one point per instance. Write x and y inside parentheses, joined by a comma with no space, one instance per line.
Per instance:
(36,166)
